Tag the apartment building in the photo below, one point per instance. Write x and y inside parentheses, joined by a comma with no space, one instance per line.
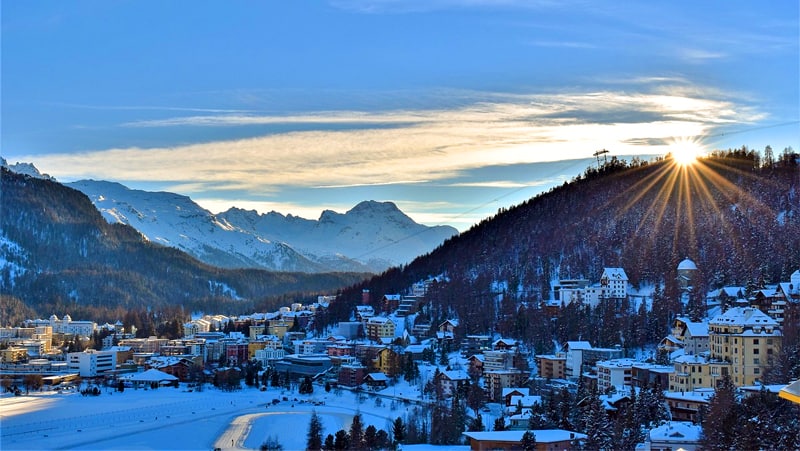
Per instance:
(92,363)
(744,342)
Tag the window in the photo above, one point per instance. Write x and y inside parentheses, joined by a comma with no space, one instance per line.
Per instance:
(756,370)
(769,341)
(755,361)
(756,350)
(755,341)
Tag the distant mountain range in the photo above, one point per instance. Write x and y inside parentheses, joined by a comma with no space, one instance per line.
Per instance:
(58,254)
(370,237)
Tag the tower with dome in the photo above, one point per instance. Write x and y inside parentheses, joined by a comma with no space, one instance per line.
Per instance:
(687,274)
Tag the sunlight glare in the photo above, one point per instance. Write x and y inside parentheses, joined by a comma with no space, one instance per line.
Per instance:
(686,151)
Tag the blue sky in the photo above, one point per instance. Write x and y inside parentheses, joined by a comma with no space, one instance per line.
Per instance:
(450,108)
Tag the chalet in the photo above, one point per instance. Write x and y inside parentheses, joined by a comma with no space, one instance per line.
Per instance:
(450,382)
(504,344)
(390,302)
(686,406)
(364,312)
(376,380)
(520,403)
(475,364)
(510,392)
(693,335)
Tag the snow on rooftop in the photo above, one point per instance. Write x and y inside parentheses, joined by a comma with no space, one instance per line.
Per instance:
(677,431)
(744,317)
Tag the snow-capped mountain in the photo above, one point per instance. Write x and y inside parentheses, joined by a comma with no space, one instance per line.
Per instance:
(25,169)
(374,233)
(370,237)
(174,220)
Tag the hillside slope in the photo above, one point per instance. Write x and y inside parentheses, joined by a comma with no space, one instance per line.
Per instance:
(56,250)
(739,222)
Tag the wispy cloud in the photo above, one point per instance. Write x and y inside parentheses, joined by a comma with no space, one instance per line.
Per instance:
(694,55)
(425,146)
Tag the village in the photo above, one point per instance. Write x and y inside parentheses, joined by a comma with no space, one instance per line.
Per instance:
(387,353)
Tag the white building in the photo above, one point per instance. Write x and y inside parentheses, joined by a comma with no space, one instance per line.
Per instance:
(673,435)
(613,285)
(66,326)
(92,363)
(614,373)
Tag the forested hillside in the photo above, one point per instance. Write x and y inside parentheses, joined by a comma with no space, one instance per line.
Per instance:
(737,217)
(61,256)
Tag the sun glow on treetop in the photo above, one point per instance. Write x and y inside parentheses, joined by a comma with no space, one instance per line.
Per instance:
(685,152)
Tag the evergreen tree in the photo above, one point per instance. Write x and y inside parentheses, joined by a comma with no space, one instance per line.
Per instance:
(599,429)
(719,427)
(500,423)
(341,441)
(356,434)
(329,443)
(371,438)
(306,387)
(314,435)
(398,430)
(528,441)
(476,425)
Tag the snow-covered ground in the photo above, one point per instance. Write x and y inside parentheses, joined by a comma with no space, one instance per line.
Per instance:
(174,418)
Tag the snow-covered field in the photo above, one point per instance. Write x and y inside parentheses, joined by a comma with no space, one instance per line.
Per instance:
(174,418)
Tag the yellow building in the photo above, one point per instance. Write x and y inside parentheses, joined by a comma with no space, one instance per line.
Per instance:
(691,372)
(387,362)
(743,342)
(379,327)
(13,355)
(551,366)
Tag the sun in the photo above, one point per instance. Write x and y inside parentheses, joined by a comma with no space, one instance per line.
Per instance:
(685,152)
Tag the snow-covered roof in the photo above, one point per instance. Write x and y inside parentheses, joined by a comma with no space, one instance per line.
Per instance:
(696,328)
(507,391)
(505,341)
(542,435)
(615,273)
(579,345)
(151,375)
(703,396)
(690,358)
(733,292)
(744,317)
(686,264)
(455,375)
(677,431)
(377,377)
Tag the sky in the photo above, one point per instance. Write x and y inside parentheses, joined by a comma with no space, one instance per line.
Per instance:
(452,109)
